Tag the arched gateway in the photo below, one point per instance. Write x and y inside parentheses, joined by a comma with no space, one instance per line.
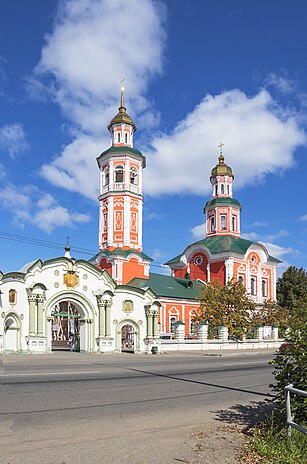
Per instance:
(70,318)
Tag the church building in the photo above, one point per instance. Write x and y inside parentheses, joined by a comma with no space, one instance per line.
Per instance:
(113,303)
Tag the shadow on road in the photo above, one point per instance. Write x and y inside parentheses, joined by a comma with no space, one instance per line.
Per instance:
(246,415)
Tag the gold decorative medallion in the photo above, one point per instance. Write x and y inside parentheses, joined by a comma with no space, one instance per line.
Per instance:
(70,280)
(127,306)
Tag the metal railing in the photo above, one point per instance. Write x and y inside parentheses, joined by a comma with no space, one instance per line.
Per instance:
(289,389)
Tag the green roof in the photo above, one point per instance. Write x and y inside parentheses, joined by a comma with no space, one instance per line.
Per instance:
(123,150)
(222,201)
(123,253)
(168,286)
(224,243)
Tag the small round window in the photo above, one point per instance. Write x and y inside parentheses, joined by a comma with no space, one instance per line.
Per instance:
(198,260)
(253,258)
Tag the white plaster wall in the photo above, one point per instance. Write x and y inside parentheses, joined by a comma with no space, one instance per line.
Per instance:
(90,282)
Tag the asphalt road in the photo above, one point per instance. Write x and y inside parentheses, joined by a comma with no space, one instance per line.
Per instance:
(70,407)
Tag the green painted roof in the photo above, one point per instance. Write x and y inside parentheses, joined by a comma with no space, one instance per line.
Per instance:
(220,244)
(168,286)
(222,201)
(123,150)
(123,253)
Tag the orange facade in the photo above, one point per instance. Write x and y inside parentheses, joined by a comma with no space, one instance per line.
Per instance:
(172,311)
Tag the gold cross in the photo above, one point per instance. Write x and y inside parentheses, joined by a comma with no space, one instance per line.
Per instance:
(220,147)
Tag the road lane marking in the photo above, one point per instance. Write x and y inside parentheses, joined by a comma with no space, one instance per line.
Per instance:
(245,363)
(49,373)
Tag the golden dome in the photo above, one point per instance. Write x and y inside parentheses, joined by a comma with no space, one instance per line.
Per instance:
(122,117)
(222,169)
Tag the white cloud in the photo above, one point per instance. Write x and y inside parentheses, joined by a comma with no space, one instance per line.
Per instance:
(94,44)
(199,232)
(303,218)
(260,137)
(153,216)
(76,168)
(13,139)
(279,252)
(283,84)
(257,224)
(2,172)
(30,206)
(265,237)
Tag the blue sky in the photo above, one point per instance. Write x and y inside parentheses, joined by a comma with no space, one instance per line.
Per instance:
(197,73)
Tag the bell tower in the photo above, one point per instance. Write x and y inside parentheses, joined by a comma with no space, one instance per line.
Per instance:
(222,211)
(121,202)
(121,197)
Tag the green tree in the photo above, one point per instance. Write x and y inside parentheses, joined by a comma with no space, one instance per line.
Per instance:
(292,288)
(271,313)
(227,305)
(290,365)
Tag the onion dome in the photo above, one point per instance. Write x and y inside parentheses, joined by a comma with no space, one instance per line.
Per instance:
(221,169)
(122,117)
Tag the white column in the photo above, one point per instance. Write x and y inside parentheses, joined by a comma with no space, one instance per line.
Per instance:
(119,272)
(274,332)
(208,272)
(223,333)
(203,331)
(100,225)
(179,331)
(140,178)
(229,269)
(238,222)
(140,223)
(110,226)
(259,333)
(273,283)
(40,321)
(111,178)
(126,174)
(248,280)
(126,221)
(259,289)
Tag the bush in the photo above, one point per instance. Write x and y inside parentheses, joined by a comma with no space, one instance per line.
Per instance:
(291,366)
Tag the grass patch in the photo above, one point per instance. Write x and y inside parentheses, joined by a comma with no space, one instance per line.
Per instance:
(271,446)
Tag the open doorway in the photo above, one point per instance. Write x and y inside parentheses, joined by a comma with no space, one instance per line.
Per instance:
(128,338)
(65,330)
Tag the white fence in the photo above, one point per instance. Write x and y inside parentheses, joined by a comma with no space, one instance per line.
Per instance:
(289,389)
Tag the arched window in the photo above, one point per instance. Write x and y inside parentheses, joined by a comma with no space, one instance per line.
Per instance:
(118,137)
(172,322)
(222,189)
(223,222)
(192,325)
(106,176)
(133,176)
(216,190)
(263,288)
(241,279)
(212,227)
(233,223)
(228,189)
(126,137)
(12,296)
(119,174)
(253,286)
